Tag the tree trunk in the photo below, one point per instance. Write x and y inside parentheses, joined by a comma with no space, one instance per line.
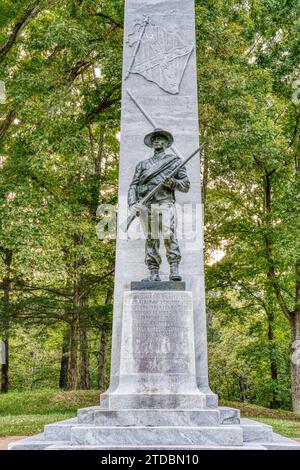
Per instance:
(78,264)
(64,363)
(5,369)
(205,176)
(271,276)
(102,359)
(274,402)
(295,317)
(84,359)
(72,382)
(7,258)
(295,356)
(103,348)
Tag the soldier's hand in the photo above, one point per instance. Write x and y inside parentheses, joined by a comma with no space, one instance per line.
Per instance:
(136,209)
(169,183)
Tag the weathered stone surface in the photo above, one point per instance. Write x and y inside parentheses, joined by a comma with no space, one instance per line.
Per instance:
(162,285)
(256,432)
(229,415)
(113,420)
(157,365)
(86,415)
(139,435)
(281,443)
(60,431)
(157,418)
(177,113)
(197,447)
(156,400)
(37,442)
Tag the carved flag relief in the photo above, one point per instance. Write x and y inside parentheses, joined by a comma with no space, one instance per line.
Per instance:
(160,56)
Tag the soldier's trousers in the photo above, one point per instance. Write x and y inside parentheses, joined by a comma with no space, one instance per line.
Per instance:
(160,221)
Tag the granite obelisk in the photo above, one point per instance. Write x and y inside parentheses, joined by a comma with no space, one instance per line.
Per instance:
(160,90)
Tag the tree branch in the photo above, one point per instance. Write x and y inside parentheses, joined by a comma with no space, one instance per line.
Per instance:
(25,288)
(7,122)
(271,274)
(107,101)
(29,13)
(296,130)
(111,20)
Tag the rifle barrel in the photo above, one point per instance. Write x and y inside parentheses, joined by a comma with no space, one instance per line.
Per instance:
(125,225)
(160,185)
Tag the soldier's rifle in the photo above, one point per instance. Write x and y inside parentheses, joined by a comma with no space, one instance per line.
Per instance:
(126,224)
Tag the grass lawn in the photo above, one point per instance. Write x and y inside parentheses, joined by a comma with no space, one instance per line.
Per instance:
(283,422)
(26,413)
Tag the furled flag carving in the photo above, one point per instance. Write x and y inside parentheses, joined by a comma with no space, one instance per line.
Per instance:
(158,55)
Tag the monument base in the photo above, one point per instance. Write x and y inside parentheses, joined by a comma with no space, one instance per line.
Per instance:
(156,403)
(98,429)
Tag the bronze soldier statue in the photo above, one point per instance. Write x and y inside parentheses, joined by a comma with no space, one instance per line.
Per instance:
(148,174)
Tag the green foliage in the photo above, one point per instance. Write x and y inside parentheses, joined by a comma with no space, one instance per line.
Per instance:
(247,61)
(59,160)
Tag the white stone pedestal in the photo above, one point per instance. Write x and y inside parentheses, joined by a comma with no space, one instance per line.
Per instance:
(157,365)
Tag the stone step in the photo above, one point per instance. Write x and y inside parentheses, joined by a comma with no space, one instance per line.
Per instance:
(281,446)
(247,446)
(37,442)
(86,415)
(226,415)
(102,417)
(281,443)
(254,431)
(159,435)
(229,415)
(60,431)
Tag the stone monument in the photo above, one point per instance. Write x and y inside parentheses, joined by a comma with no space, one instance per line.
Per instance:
(159,396)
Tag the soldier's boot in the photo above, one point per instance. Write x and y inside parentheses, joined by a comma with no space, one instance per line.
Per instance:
(174,272)
(154,275)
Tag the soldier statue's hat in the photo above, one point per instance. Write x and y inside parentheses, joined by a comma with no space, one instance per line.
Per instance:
(161,132)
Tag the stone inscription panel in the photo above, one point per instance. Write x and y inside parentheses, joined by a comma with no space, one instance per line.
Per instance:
(158,333)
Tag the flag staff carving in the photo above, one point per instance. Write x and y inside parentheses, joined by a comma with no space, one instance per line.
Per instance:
(159,55)
(137,45)
(150,119)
